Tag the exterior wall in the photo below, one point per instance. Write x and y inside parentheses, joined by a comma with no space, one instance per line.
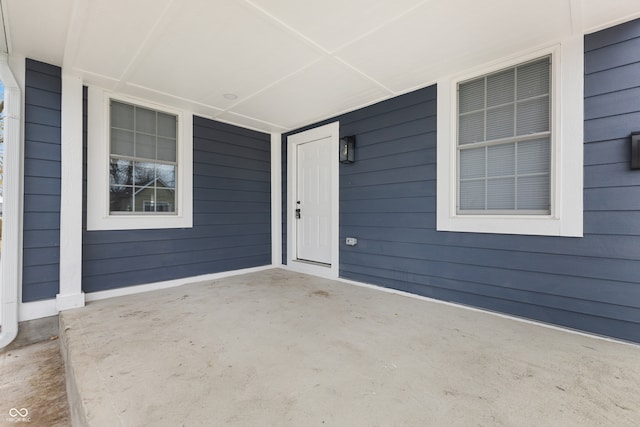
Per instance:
(231,223)
(41,253)
(232,207)
(387,201)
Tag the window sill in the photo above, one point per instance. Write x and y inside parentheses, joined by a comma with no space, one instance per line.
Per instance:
(536,225)
(138,222)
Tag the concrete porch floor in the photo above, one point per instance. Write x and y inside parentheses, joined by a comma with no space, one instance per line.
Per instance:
(281,348)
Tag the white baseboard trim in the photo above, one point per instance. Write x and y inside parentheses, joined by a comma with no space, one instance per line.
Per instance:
(37,309)
(130,290)
(480,310)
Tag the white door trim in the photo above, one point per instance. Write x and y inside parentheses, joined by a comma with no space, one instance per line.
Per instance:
(332,131)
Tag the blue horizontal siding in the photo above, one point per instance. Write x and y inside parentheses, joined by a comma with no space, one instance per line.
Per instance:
(604,152)
(612,80)
(613,35)
(140,276)
(42,98)
(605,128)
(618,54)
(124,252)
(610,175)
(618,103)
(48,116)
(43,151)
(231,219)
(42,168)
(153,260)
(41,236)
(388,201)
(42,133)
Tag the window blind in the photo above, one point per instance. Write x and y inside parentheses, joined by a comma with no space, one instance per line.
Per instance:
(143,161)
(504,141)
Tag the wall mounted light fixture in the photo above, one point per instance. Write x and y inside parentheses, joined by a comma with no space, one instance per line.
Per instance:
(635,150)
(347,149)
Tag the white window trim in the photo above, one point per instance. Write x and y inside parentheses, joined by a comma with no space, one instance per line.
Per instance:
(98,217)
(565,218)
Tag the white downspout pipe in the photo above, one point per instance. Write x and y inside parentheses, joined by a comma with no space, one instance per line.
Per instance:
(10,260)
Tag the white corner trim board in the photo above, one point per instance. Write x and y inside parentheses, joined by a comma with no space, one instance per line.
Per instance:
(565,218)
(11,260)
(276,199)
(71,295)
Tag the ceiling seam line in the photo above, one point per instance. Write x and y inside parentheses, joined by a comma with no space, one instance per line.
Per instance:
(379,27)
(322,117)
(275,125)
(269,86)
(130,67)
(216,113)
(322,51)
(288,27)
(365,75)
(72,39)
(179,98)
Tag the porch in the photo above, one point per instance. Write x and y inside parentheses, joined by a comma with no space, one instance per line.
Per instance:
(283,348)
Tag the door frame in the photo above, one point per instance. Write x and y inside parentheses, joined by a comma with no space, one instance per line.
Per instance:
(332,131)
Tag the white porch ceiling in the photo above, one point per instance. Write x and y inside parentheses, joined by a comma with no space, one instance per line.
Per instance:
(289,62)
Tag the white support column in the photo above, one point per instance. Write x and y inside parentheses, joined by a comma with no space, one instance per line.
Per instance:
(276,199)
(71,295)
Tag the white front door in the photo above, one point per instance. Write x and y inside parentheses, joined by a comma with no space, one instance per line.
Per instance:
(312,186)
(313,201)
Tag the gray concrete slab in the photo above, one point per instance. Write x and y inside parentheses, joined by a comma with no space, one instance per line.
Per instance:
(35,331)
(32,386)
(281,348)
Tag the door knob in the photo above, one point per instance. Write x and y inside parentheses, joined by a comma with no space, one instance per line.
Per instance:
(298,213)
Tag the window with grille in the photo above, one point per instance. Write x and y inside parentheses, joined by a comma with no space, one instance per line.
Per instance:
(142,161)
(504,141)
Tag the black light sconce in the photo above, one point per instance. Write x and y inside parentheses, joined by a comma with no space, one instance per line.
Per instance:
(635,150)
(348,149)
